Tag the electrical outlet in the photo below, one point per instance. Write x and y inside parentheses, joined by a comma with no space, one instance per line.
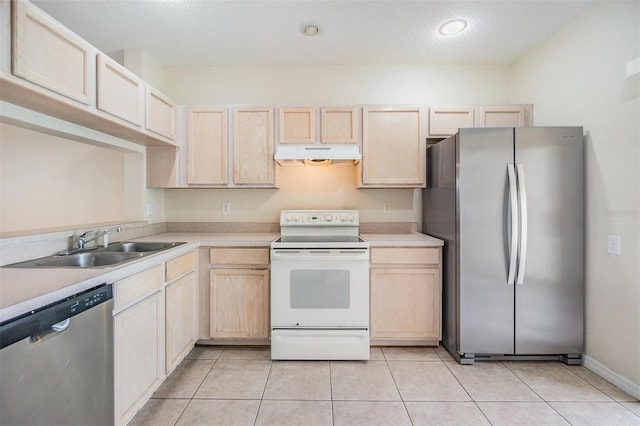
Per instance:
(613,244)
(151,209)
(387,207)
(226,207)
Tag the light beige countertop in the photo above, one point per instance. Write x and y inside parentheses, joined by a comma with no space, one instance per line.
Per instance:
(214,239)
(414,239)
(23,289)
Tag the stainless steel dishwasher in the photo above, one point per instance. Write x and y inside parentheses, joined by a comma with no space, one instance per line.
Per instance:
(56,363)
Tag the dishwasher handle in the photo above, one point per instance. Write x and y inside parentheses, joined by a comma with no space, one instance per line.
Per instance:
(53,316)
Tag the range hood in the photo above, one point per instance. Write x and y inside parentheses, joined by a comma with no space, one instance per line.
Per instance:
(317,154)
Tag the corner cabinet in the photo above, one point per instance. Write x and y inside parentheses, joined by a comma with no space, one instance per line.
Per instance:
(239,293)
(393,147)
(253,147)
(405,295)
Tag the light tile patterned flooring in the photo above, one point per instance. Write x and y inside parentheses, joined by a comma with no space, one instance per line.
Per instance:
(398,386)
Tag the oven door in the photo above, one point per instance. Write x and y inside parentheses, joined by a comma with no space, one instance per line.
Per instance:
(319,288)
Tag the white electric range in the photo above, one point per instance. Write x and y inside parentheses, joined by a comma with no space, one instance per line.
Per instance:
(319,287)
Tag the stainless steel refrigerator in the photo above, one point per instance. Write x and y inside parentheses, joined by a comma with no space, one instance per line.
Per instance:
(509,204)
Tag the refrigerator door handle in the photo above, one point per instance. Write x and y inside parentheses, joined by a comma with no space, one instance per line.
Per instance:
(522,257)
(513,203)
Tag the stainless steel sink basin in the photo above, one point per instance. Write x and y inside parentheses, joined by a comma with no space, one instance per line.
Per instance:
(102,257)
(88,260)
(138,247)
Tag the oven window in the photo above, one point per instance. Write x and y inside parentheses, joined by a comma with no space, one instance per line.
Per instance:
(319,289)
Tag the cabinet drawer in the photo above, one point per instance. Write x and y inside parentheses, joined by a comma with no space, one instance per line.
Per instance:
(405,255)
(180,266)
(239,256)
(130,288)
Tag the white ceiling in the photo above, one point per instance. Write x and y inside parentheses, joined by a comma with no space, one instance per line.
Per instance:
(215,32)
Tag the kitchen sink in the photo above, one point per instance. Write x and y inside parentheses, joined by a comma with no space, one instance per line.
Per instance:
(101,257)
(88,260)
(138,247)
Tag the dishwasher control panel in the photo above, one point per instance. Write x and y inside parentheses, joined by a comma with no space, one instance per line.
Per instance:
(42,319)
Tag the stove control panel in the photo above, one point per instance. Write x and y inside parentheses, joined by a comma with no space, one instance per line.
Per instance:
(319,217)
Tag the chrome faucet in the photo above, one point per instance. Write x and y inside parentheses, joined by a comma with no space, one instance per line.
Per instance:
(105,235)
(81,240)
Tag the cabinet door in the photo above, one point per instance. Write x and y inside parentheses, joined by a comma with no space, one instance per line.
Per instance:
(393,147)
(239,303)
(297,125)
(48,54)
(181,319)
(253,147)
(160,114)
(502,116)
(120,92)
(138,355)
(447,121)
(339,125)
(207,146)
(405,303)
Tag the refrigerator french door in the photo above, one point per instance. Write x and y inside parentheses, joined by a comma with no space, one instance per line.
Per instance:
(509,203)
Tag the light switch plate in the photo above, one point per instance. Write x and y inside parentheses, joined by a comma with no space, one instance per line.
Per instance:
(613,244)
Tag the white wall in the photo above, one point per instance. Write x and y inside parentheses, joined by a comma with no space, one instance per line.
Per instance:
(577,77)
(320,187)
(48,182)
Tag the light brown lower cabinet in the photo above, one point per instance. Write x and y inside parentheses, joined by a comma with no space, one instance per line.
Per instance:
(239,293)
(240,303)
(138,355)
(405,296)
(181,319)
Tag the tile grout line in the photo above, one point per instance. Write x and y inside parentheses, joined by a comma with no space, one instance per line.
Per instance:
(333,413)
(466,391)
(197,388)
(404,404)
(264,389)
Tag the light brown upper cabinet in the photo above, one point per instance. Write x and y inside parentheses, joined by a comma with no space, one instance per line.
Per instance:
(339,125)
(447,121)
(51,56)
(444,122)
(207,146)
(120,92)
(393,147)
(297,125)
(501,116)
(161,114)
(253,146)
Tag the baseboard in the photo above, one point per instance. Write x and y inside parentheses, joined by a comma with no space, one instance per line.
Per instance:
(603,371)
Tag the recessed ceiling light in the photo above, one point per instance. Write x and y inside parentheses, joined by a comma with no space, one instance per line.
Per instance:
(453,27)
(311,30)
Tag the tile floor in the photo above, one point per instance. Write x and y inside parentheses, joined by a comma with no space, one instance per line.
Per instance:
(398,386)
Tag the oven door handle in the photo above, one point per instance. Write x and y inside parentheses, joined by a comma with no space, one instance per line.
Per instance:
(320,254)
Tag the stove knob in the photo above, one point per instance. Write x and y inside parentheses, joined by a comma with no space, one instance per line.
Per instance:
(287,218)
(328,218)
(350,218)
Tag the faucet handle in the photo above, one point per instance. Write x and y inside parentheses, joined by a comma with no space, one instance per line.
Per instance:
(105,235)
(80,239)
